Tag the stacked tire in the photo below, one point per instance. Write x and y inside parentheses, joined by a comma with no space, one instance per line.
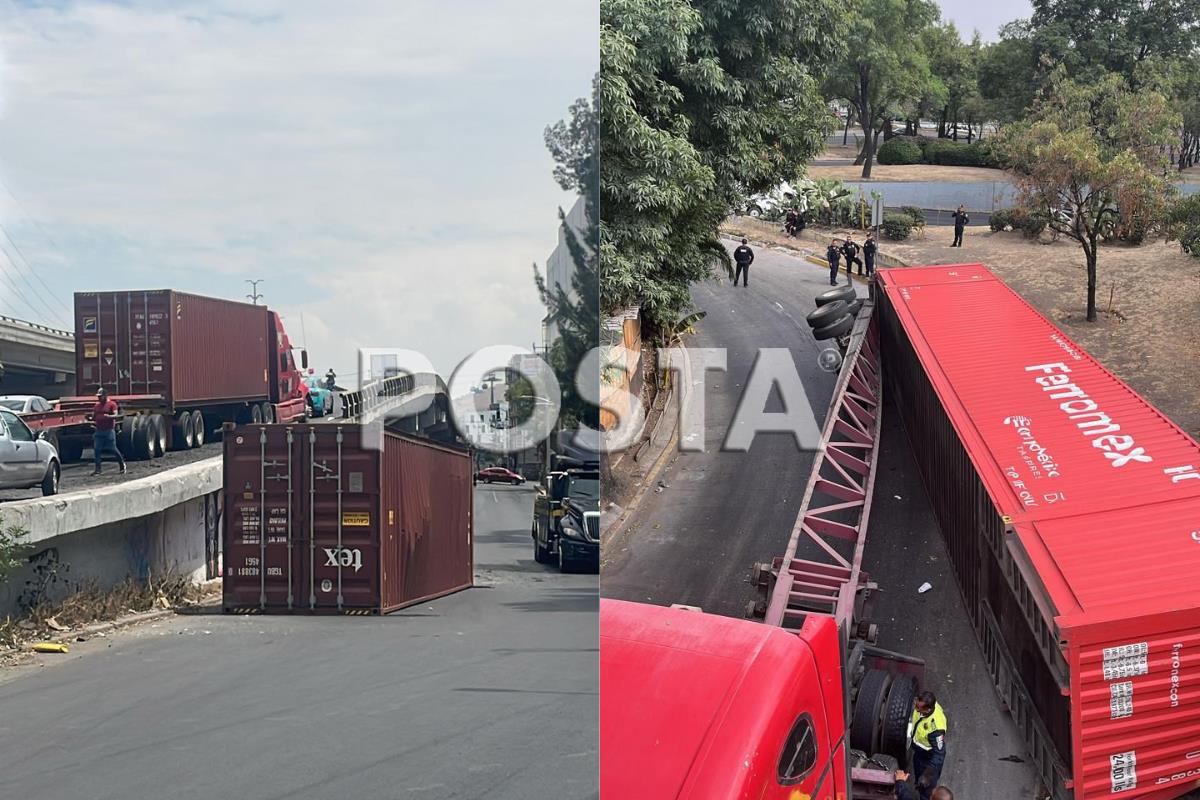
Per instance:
(836,311)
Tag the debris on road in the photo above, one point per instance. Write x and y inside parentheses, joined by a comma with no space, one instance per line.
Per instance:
(50,647)
(925,587)
(54,624)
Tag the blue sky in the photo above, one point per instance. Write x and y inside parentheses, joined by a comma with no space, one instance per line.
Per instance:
(380,166)
(987,18)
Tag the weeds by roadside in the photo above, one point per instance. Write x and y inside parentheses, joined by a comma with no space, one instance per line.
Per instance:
(92,603)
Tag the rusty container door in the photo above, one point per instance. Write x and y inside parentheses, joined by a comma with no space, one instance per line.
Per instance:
(264,466)
(429,532)
(123,342)
(341,554)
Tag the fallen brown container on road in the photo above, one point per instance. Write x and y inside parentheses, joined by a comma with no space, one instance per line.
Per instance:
(315,523)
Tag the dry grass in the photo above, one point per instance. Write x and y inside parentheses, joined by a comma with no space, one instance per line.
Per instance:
(910,172)
(1148,296)
(93,604)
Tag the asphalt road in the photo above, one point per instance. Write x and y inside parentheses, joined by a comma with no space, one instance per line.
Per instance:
(489,693)
(696,541)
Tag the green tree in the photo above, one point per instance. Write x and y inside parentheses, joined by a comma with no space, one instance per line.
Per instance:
(575,310)
(702,103)
(1183,224)
(1091,158)
(521,400)
(885,66)
(1007,74)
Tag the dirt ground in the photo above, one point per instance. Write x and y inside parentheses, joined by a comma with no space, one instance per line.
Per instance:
(1148,296)
(908,172)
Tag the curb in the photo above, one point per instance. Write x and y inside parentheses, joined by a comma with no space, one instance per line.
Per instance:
(671,411)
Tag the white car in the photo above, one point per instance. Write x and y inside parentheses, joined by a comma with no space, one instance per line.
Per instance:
(25,403)
(26,459)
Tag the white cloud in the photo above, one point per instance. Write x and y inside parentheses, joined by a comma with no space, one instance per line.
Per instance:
(380,166)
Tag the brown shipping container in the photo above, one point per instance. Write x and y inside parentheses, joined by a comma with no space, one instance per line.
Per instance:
(191,350)
(315,523)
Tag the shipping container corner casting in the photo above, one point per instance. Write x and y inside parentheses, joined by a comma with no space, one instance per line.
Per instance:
(1069,507)
(179,365)
(315,523)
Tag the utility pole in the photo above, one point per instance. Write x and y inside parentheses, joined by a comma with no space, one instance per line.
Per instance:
(254,295)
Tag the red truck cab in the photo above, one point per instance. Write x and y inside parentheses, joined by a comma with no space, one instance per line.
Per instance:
(287,385)
(695,706)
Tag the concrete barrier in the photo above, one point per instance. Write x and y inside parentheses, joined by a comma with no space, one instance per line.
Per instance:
(103,536)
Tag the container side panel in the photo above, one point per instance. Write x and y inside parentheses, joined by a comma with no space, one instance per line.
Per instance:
(123,342)
(1137,718)
(432,502)
(220,350)
(263,523)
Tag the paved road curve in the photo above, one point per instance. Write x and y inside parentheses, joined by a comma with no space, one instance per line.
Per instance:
(695,542)
(489,693)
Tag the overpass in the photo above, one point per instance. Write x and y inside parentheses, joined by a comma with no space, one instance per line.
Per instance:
(37,359)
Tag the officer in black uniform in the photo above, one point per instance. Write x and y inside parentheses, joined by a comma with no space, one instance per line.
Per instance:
(833,255)
(744,257)
(850,251)
(960,221)
(870,247)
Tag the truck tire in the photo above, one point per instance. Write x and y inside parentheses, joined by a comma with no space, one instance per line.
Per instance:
(868,710)
(845,292)
(182,435)
(198,429)
(830,312)
(143,447)
(256,414)
(834,329)
(893,736)
(70,451)
(125,437)
(268,412)
(853,308)
(162,435)
(540,554)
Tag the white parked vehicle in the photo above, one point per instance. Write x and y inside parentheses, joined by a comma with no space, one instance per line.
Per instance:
(25,403)
(26,459)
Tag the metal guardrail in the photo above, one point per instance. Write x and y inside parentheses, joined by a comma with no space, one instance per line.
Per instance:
(35,326)
(376,398)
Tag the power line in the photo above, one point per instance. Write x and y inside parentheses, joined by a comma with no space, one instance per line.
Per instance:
(50,312)
(17,292)
(36,274)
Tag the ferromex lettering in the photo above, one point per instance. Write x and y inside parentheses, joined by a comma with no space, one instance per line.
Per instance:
(1176,662)
(1085,412)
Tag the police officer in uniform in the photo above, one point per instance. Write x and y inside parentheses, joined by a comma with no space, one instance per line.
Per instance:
(850,251)
(927,729)
(833,255)
(744,257)
(870,247)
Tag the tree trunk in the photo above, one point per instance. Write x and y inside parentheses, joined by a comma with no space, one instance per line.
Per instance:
(910,127)
(942,122)
(846,131)
(871,138)
(1090,253)
(888,133)
(956,126)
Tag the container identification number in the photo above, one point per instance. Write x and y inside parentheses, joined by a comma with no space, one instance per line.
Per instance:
(1126,661)
(1121,699)
(1123,771)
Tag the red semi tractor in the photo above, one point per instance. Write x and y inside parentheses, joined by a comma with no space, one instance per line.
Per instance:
(179,365)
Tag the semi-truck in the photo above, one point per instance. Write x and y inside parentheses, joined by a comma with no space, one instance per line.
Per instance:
(179,366)
(566,515)
(1069,508)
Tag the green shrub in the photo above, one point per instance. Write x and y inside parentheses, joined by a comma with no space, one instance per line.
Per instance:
(897,225)
(960,154)
(1135,232)
(1000,220)
(1029,223)
(917,214)
(900,150)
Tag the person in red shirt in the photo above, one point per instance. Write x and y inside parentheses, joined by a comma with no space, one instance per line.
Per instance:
(104,417)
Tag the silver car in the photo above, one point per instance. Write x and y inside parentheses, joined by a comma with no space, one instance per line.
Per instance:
(26,458)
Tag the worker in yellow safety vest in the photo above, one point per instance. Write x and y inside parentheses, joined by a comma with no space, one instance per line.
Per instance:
(927,732)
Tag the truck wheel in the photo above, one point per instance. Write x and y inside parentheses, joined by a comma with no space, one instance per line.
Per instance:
(845,292)
(834,329)
(868,710)
(197,429)
(564,566)
(125,437)
(893,737)
(162,435)
(830,312)
(70,451)
(256,414)
(50,482)
(268,412)
(182,435)
(143,447)
(540,554)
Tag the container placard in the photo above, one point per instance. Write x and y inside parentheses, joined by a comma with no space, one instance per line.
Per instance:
(1124,772)
(356,519)
(1120,701)
(1126,661)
